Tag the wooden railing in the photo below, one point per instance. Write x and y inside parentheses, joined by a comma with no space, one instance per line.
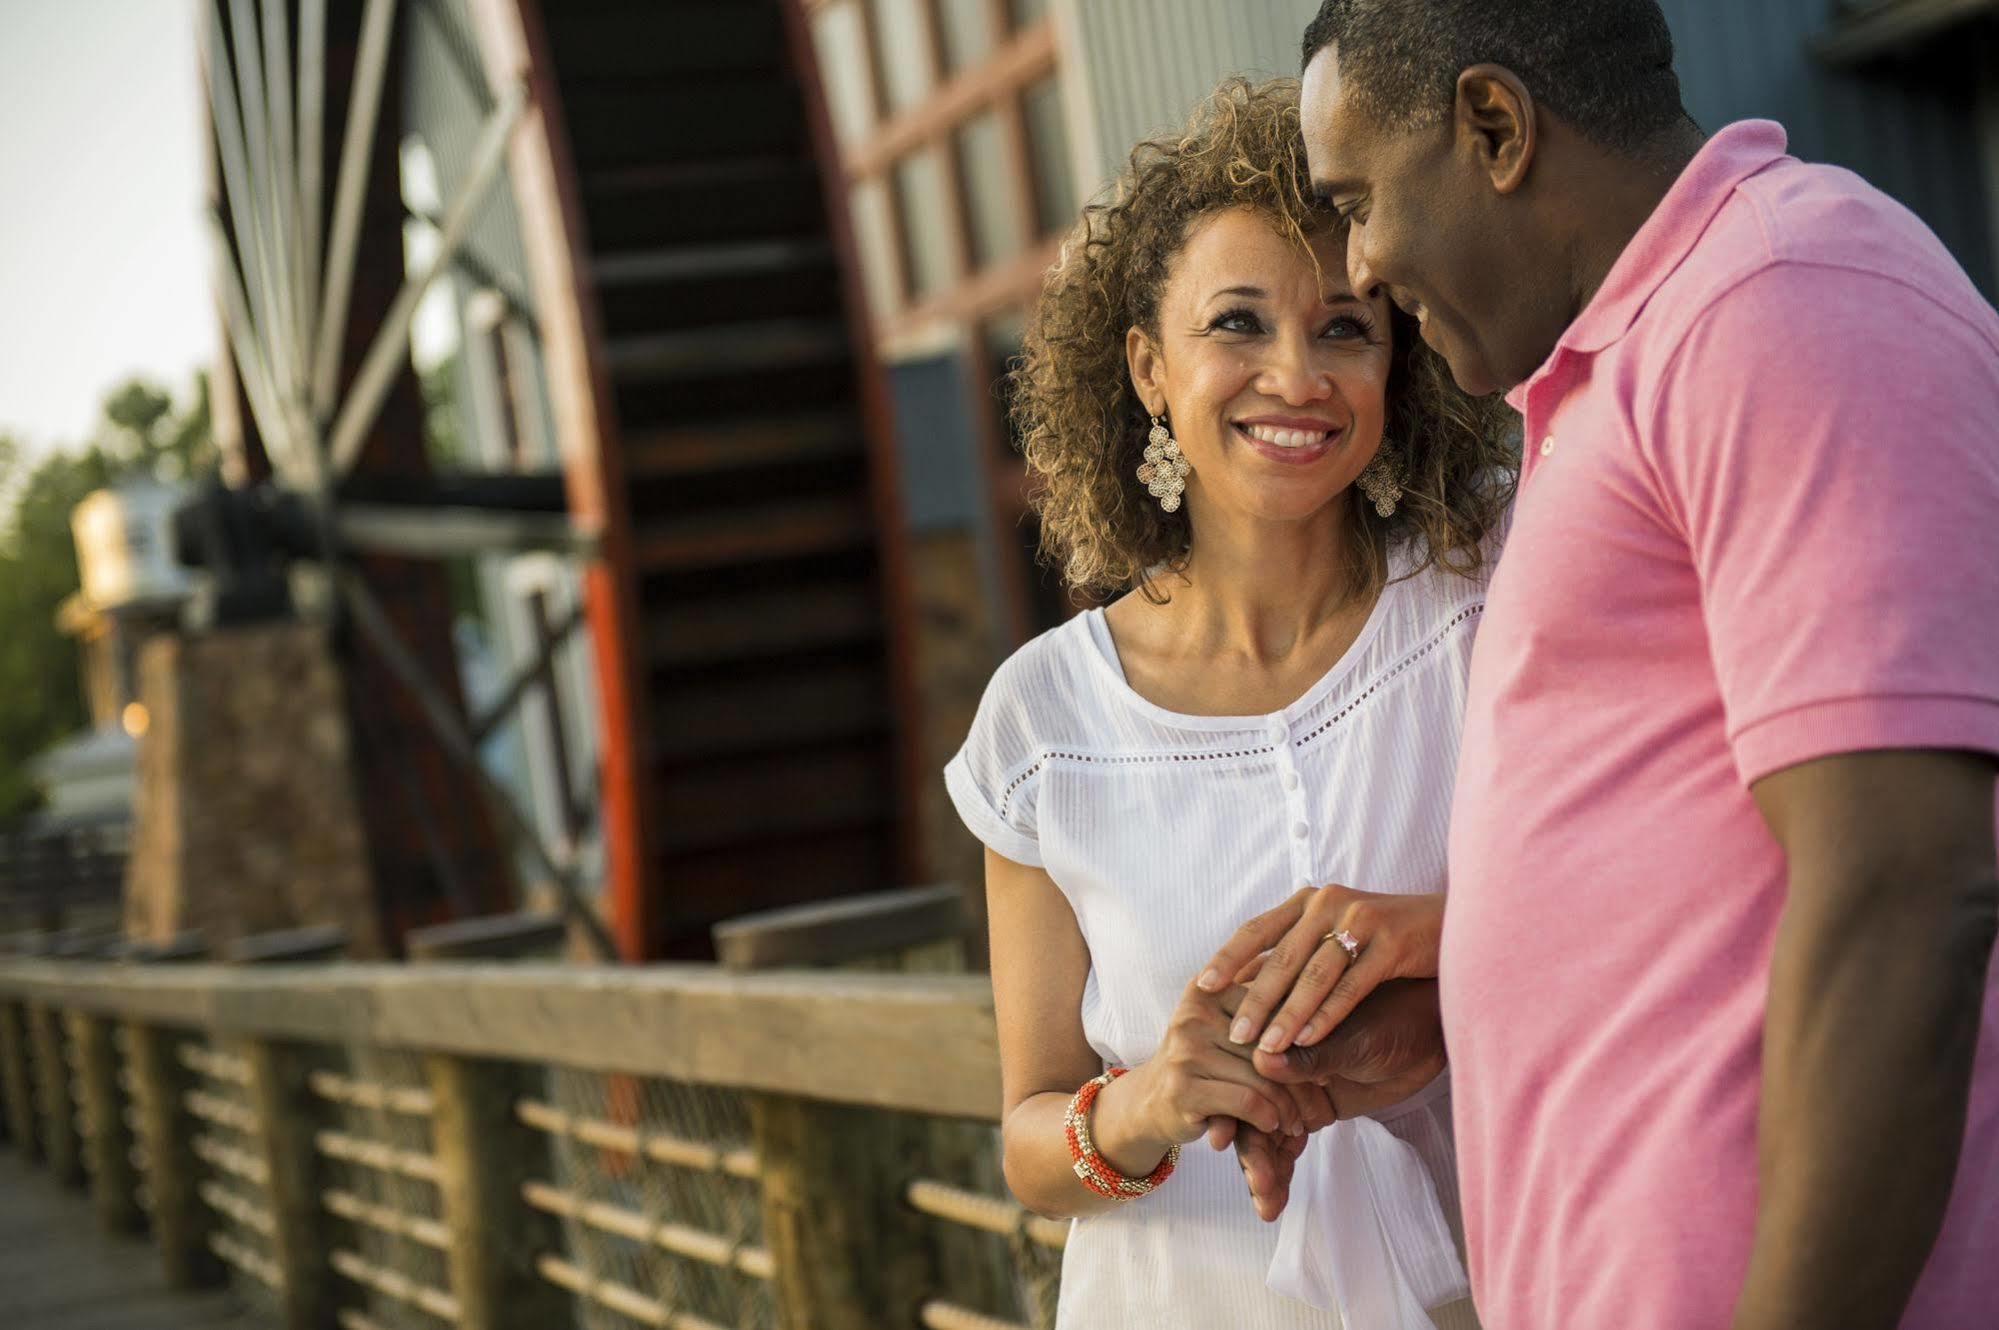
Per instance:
(525,1146)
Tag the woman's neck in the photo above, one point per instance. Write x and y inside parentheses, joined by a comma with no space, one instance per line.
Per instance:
(1260,591)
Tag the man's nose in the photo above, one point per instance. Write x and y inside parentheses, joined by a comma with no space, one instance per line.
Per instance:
(1361,276)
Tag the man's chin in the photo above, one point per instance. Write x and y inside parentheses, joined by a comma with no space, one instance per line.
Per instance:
(1469,371)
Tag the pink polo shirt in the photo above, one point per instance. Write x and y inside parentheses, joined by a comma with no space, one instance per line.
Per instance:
(1758,524)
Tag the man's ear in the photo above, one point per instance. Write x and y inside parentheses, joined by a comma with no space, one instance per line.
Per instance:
(1496,117)
(1141,357)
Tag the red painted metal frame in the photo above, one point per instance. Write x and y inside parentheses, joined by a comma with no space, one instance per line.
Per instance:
(871,391)
(514,42)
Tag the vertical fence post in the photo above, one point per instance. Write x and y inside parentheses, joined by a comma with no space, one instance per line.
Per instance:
(181,1223)
(484,1154)
(849,1252)
(16,1083)
(58,1110)
(107,1138)
(287,1120)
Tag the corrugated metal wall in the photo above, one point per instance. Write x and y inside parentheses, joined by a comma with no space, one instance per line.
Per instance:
(445,101)
(1137,67)
(1910,128)
(1145,63)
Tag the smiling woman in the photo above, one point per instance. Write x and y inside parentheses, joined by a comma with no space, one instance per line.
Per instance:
(1079,411)
(1287,488)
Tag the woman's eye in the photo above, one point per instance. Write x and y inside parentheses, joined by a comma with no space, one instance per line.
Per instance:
(1350,327)
(1237,321)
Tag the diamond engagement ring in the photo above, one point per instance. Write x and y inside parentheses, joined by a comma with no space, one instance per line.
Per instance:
(1348,943)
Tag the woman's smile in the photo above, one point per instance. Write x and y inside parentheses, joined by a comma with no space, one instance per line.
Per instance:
(1290,440)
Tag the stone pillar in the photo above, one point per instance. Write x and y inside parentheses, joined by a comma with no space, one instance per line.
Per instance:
(245,819)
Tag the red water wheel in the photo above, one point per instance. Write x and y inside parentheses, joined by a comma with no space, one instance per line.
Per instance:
(670,487)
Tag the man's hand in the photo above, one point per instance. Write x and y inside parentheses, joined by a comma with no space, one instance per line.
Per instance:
(1391,1047)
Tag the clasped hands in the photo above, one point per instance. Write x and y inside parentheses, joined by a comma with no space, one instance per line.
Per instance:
(1283,1033)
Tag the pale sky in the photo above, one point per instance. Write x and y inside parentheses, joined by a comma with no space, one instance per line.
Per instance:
(103,265)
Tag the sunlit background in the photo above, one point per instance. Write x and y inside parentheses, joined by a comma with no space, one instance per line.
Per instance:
(593,543)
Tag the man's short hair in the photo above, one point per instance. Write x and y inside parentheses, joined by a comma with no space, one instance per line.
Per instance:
(1604,66)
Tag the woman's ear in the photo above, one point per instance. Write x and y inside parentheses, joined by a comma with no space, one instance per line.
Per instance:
(1141,356)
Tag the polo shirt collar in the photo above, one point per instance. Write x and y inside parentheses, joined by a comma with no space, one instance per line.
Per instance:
(1727,159)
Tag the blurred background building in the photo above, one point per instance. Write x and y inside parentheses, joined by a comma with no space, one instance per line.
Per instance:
(615,394)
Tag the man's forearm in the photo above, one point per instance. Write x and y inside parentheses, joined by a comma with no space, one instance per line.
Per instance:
(1869,1039)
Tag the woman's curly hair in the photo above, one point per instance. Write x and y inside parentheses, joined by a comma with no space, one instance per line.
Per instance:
(1083,428)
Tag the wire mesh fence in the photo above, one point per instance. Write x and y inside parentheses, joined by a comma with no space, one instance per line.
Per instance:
(655,1181)
(380,1196)
(233,1173)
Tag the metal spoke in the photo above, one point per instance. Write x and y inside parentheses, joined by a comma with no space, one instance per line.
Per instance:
(272,422)
(282,184)
(311,146)
(526,677)
(445,532)
(263,199)
(504,285)
(462,904)
(388,353)
(349,193)
(374,624)
(258,318)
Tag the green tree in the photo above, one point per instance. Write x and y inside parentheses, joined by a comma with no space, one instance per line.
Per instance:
(41,695)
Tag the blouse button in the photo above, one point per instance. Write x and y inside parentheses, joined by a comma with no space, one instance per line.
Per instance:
(1547,445)
(1301,830)
(1277,731)
(1290,780)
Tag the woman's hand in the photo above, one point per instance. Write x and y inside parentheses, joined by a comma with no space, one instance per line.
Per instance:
(1197,1077)
(1267,1164)
(1296,966)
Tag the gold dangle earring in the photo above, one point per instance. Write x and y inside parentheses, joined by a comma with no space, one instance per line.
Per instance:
(1164,472)
(1381,481)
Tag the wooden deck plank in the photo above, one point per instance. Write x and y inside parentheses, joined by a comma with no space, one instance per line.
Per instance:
(60,1271)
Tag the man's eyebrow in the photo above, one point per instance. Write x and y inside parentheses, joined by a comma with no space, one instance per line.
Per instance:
(1323,190)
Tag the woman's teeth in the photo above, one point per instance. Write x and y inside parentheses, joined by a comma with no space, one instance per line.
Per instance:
(1287,438)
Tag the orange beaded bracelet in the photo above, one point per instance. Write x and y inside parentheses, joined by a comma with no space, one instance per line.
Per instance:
(1094,1170)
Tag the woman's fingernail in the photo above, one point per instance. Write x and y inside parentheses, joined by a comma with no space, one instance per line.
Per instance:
(1209,980)
(1240,1032)
(1273,1038)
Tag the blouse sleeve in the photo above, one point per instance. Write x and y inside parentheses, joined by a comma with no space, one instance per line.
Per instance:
(994,779)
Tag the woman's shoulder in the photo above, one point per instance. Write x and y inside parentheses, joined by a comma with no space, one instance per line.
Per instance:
(1047,679)
(1038,700)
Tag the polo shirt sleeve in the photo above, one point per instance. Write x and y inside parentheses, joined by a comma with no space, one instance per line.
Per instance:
(1829,442)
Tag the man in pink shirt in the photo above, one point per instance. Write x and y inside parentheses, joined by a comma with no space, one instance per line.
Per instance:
(1714,977)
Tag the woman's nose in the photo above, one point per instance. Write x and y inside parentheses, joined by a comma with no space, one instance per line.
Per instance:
(1296,372)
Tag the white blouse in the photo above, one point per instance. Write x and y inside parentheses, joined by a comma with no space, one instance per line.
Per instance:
(1165,832)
